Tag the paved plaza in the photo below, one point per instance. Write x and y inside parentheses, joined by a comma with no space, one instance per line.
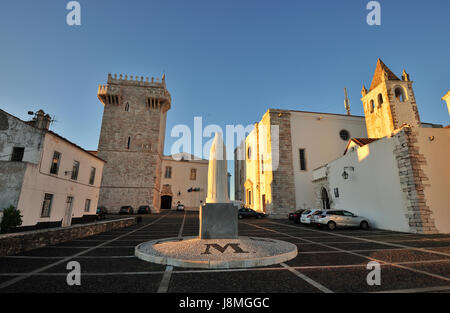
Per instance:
(327,262)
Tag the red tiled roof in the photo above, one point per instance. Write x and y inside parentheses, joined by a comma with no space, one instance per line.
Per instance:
(360,142)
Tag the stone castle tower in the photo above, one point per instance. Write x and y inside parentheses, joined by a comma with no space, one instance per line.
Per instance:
(390,103)
(132,140)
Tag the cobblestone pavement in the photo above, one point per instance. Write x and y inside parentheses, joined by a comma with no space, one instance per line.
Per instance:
(327,261)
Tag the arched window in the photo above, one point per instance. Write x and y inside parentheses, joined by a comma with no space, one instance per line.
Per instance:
(249,153)
(380,100)
(371,106)
(399,94)
(127,107)
(129,143)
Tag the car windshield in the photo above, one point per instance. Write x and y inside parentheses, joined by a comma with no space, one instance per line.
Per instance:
(306,211)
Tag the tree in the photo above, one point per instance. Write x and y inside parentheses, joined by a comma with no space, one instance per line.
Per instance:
(11,219)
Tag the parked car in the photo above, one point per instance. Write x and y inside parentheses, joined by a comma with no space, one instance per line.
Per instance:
(101,213)
(341,218)
(305,218)
(180,207)
(144,209)
(247,213)
(296,215)
(126,209)
(291,215)
(314,216)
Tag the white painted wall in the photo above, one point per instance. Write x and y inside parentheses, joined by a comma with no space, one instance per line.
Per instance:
(437,170)
(373,189)
(319,135)
(15,133)
(181,182)
(38,181)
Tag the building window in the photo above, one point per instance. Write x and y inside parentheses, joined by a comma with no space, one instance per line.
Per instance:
(127,107)
(249,197)
(193,173)
(75,169)
(129,143)
(380,100)
(399,95)
(344,134)
(249,153)
(302,160)
(55,163)
(168,173)
(87,205)
(17,154)
(371,106)
(92,177)
(47,205)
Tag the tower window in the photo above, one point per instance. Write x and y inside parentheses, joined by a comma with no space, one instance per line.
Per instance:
(371,106)
(249,153)
(129,143)
(127,107)
(380,100)
(302,160)
(399,95)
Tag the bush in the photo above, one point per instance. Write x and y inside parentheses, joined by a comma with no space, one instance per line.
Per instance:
(11,219)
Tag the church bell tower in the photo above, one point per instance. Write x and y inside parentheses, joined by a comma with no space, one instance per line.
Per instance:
(389,103)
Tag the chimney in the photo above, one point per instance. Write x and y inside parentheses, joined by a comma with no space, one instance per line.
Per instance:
(41,120)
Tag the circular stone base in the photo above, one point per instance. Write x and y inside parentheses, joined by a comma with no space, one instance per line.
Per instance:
(193,252)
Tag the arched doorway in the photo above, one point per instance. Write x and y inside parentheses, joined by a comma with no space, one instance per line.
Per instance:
(166,202)
(325,199)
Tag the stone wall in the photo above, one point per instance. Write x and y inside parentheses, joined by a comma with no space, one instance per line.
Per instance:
(413,181)
(283,189)
(132,141)
(11,180)
(11,244)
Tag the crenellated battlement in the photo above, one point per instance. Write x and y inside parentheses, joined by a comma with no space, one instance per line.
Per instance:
(137,80)
(156,92)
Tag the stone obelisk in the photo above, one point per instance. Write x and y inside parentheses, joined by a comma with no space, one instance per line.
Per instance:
(218,217)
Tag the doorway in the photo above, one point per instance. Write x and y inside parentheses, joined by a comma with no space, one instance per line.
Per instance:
(166,202)
(325,199)
(67,221)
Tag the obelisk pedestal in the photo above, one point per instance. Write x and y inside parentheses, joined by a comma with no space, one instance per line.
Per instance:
(218,217)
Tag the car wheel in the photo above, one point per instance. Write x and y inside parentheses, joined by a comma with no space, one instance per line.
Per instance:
(240,216)
(331,225)
(364,225)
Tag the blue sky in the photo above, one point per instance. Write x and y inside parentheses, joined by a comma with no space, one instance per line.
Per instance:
(227,61)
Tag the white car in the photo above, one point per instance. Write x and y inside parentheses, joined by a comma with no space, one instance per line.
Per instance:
(305,218)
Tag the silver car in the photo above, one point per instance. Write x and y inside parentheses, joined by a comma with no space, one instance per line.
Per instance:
(340,218)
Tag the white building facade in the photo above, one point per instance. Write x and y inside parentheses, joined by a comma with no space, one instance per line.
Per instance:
(52,181)
(184,180)
(398,177)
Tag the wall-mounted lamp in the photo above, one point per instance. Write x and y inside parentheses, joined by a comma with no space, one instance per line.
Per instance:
(431,138)
(346,170)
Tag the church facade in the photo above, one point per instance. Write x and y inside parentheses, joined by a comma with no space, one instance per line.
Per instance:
(280,166)
(398,177)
